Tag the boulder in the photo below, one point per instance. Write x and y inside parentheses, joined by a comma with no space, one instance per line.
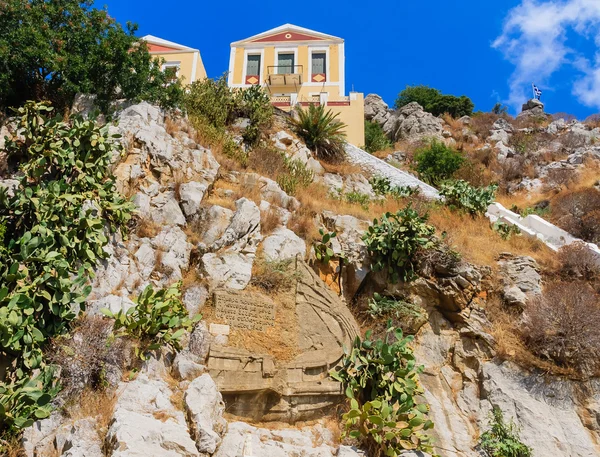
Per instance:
(146,423)
(215,220)
(413,123)
(204,407)
(191,195)
(114,303)
(376,109)
(283,244)
(533,107)
(231,269)
(244,227)
(521,279)
(165,210)
(194,298)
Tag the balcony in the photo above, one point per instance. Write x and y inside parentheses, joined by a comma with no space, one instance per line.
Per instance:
(284,75)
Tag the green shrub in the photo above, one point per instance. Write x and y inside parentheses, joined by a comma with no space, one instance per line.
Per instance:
(297,174)
(383,186)
(56,229)
(502,440)
(394,240)
(45,56)
(382,306)
(437,162)
(434,102)
(322,132)
(381,380)
(256,106)
(506,231)
(375,138)
(461,195)
(357,198)
(158,318)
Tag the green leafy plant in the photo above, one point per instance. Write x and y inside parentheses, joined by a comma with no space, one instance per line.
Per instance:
(357,198)
(158,319)
(394,240)
(434,102)
(382,306)
(321,130)
(383,186)
(375,138)
(56,227)
(297,175)
(437,162)
(506,231)
(323,249)
(461,195)
(381,380)
(256,106)
(502,440)
(68,47)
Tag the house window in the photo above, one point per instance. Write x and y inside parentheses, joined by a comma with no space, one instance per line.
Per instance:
(319,62)
(253,65)
(285,63)
(171,70)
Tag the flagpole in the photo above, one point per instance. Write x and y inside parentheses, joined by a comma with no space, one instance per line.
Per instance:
(533,89)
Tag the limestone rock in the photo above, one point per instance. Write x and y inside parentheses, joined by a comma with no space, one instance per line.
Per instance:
(532,108)
(413,123)
(520,278)
(146,423)
(283,244)
(204,407)
(215,219)
(114,303)
(244,228)
(165,209)
(194,299)
(245,440)
(191,195)
(231,269)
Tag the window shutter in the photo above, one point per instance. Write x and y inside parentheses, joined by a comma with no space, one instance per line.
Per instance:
(253,66)
(285,63)
(318,63)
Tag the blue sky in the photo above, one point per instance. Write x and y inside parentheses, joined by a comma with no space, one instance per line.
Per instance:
(489,51)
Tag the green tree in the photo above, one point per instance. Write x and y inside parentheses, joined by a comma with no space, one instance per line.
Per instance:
(500,109)
(434,102)
(375,138)
(51,50)
(437,162)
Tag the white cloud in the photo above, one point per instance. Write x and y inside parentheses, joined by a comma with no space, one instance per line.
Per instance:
(534,39)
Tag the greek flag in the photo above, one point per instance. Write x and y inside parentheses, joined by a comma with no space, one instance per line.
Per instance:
(537,92)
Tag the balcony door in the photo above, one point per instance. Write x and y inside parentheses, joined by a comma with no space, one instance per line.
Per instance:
(285,63)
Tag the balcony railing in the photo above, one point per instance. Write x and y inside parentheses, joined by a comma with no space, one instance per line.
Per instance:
(284,75)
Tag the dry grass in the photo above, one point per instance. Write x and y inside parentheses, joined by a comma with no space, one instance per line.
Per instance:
(341,168)
(479,244)
(147,228)
(99,405)
(172,126)
(12,447)
(273,277)
(269,221)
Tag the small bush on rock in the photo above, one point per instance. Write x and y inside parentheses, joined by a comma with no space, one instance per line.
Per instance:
(381,380)
(394,240)
(502,440)
(437,162)
(409,315)
(577,260)
(322,132)
(383,186)
(461,195)
(561,326)
(375,138)
(274,276)
(578,213)
(159,318)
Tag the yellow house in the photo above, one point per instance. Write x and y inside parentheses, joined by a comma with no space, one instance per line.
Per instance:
(299,66)
(185,62)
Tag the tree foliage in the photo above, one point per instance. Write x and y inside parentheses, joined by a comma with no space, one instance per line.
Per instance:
(375,138)
(437,162)
(57,224)
(321,130)
(381,380)
(434,102)
(51,50)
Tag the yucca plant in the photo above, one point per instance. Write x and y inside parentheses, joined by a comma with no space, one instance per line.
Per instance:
(321,130)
